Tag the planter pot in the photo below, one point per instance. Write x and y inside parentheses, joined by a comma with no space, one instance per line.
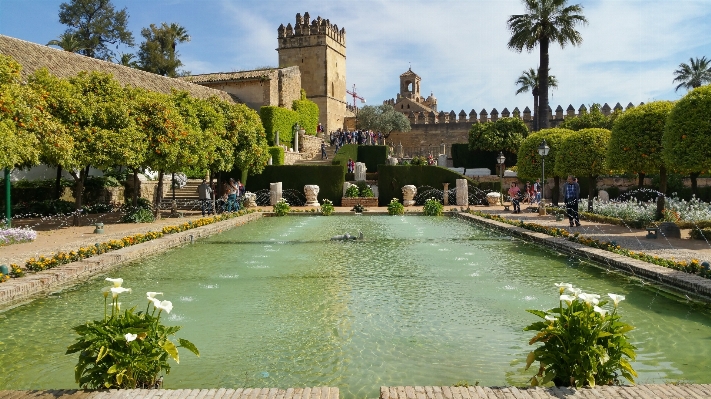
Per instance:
(493,198)
(353,201)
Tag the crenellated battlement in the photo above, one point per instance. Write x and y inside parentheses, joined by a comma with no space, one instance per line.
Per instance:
(422,118)
(305,27)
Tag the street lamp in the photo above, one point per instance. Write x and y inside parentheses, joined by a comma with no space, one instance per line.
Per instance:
(500,160)
(543,150)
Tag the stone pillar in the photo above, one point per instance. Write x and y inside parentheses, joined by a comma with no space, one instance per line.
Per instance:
(296,142)
(442,160)
(274,193)
(311,192)
(408,195)
(398,151)
(462,192)
(445,194)
(276,138)
(270,161)
(360,171)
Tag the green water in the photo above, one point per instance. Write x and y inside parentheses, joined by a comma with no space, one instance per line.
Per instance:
(423,301)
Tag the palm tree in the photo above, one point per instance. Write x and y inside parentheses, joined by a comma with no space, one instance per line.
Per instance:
(529,81)
(68,42)
(545,21)
(127,60)
(694,75)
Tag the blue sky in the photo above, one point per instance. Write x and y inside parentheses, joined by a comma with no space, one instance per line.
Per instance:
(629,52)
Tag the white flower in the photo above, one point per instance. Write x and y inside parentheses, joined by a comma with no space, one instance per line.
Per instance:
(119,290)
(589,298)
(563,286)
(567,298)
(130,337)
(150,295)
(616,298)
(116,281)
(106,291)
(551,318)
(165,305)
(600,310)
(118,305)
(575,291)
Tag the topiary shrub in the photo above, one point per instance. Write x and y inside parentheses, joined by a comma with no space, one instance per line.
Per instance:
(277,119)
(372,156)
(277,154)
(308,113)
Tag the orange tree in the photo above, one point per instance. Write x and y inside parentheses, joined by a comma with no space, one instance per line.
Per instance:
(529,161)
(687,134)
(583,153)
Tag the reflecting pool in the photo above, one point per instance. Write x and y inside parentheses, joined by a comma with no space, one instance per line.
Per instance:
(421,301)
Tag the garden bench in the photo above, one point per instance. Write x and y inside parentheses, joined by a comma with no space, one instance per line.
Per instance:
(652,232)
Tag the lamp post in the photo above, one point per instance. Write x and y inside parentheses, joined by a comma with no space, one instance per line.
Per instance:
(543,150)
(500,160)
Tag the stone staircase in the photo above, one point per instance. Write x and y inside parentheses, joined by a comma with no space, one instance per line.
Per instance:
(187,197)
(330,151)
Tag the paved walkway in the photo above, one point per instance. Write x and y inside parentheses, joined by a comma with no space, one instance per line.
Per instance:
(652,391)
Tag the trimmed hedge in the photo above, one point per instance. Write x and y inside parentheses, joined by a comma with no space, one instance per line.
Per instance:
(391,179)
(329,178)
(277,119)
(277,154)
(308,115)
(463,157)
(344,153)
(372,156)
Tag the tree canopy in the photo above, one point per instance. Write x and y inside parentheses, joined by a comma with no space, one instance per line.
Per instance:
(687,133)
(545,22)
(506,134)
(694,74)
(382,118)
(157,53)
(96,25)
(583,153)
(529,161)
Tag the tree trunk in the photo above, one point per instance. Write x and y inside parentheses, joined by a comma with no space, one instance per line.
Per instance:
(79,181)
(592,182)
(555,193)
(543,122)
(135,188)
(640,180)
(694,187)
(159,195)
(661,199)
(535,92)
(58,184)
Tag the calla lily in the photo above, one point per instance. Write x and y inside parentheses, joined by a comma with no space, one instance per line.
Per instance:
(130,337)
(165,305)
(106,290)
(551,318)
(116,281)
(151,295)
(616,298)
(567,298)
(118,305)
(600,310)
(575,291)
(119,290)
(590,299)
(563,286)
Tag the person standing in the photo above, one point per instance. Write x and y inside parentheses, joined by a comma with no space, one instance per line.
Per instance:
(231,196)
(537,189)
(571,195)
(514,192)
(205,193)
(323,151)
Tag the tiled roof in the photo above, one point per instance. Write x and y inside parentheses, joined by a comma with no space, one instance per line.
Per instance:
(229,76)
(33,56)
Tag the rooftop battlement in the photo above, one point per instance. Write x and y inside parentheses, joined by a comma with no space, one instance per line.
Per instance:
(303,26)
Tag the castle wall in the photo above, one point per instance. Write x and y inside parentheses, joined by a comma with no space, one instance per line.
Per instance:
(289,88)
(253,93)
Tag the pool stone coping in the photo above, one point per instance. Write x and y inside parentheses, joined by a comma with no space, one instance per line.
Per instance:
(19,291)
(690,284)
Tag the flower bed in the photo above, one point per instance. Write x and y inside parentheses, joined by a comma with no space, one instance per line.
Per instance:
(691,267)
(353,201)
(16,235)
(53,260)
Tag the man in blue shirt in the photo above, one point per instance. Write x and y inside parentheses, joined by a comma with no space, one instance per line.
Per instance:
(571,194)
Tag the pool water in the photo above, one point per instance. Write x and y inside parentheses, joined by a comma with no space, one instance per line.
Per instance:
(421,301)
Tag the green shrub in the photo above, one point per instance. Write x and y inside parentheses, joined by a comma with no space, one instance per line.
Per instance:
(348,151)
(419,160)
(432,207)
(463,157)
(353,191)
(391,179)
(138,215)
(277,119)
(583,344)
(43,208)
(277,154)
(281,208)
(372,156)
(327,208)
(395,207)
(329,178)
(308,113)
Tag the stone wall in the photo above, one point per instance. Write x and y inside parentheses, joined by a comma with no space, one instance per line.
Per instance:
(309,146)
(148,189)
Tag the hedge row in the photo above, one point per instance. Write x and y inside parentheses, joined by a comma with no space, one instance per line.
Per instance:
(308,115)
(372,156)
(329,178)
(348,151)
(463,157)
(277,119)
(277,154)
(391,179)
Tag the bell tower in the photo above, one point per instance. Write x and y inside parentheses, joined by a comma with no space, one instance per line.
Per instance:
(318,48)
(410,85)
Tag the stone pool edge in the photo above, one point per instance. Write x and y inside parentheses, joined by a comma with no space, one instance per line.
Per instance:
(698,286)
(22,290)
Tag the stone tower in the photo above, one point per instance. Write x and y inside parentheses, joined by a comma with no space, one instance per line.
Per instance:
(410,85)
(318,48)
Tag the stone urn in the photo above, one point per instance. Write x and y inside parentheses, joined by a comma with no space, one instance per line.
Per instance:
(250,200)
(493,198)
(311,192)
(408,195)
